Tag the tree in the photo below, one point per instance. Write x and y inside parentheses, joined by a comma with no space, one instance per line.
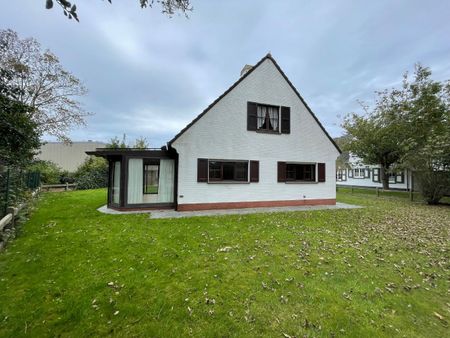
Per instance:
(168,7)
(409,127)
(43,84)
(374,140)
(19,137)
(426,118)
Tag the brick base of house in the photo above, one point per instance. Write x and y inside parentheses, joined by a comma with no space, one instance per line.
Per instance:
(254,204)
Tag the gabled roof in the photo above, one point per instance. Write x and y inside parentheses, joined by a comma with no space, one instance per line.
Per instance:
(267,57)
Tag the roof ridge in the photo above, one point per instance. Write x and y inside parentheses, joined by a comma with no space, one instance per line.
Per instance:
(270,57)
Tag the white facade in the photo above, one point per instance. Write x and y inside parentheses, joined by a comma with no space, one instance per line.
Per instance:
(221,133)
(358,174)
(67,156)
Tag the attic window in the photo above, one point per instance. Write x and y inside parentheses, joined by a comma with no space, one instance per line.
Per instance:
(267,118)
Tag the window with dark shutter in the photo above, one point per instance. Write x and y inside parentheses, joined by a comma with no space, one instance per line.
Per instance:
(281,171)
(254,171)
(251,116)
(321,172)
(285,120)
(350,173)
(202,170)
(375,175)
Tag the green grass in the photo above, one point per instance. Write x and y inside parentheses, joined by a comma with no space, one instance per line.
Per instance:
(382,270)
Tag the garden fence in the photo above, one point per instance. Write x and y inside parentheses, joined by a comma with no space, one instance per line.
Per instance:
(15,185)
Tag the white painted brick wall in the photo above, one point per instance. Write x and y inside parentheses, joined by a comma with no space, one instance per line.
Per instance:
(222,134)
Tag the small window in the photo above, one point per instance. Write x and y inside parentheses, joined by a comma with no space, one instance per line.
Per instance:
(392,177)
(341,175)
(300,172)
(228,171)
(376,175)
(361,173)
(151,177)
(267,118)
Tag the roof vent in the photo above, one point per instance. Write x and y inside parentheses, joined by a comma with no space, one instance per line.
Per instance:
(246,69)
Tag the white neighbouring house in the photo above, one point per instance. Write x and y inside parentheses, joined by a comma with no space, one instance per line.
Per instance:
(258,144)
(358,174)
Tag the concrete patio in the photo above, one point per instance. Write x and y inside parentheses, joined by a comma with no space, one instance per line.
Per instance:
(158,214)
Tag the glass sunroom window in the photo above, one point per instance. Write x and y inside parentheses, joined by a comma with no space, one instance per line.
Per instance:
(151,178)
(116,183)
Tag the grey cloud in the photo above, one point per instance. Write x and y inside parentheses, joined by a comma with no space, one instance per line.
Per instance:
(150,75)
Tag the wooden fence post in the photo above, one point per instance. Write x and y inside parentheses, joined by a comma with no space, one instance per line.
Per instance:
(352,189)
(378,191)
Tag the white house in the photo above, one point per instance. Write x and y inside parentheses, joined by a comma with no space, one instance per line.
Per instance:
(258,144)
(357,173)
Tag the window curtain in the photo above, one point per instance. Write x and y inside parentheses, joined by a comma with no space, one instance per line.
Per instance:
(261,111)
(166,181)
(116,183)
(135,180)
(273,114)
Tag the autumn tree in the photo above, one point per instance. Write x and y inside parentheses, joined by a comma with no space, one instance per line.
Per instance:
(43,84)
(168,7)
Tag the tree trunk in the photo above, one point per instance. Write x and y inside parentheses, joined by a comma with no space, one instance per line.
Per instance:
(384,177)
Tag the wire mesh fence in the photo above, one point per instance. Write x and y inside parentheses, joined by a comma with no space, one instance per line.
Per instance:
(15,186)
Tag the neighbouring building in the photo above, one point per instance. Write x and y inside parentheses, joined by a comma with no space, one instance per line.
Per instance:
(257,145)
(356,173)
(67,156)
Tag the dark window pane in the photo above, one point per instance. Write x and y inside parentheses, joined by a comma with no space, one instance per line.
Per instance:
(241,171)
(214,170)
(300,172)
(228,171)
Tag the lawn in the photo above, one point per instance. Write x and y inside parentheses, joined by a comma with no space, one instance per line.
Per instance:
(382,270)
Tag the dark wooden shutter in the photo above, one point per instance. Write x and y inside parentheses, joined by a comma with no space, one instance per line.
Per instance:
(251,116)
(321,172)
(254,171)
(285,120)
(281,171)
(202,170)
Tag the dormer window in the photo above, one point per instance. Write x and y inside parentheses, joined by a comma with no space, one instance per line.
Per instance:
(268,118)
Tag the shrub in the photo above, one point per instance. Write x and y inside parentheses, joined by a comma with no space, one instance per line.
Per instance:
(50,172)
(92,174)
(433,185)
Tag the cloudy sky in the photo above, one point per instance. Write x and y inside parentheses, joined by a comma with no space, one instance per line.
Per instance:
(149,75)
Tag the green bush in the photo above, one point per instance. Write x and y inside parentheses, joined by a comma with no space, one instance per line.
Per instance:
(50,172)
(92,174)
(433,185)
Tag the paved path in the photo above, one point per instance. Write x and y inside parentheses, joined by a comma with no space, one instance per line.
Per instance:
(155,214)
